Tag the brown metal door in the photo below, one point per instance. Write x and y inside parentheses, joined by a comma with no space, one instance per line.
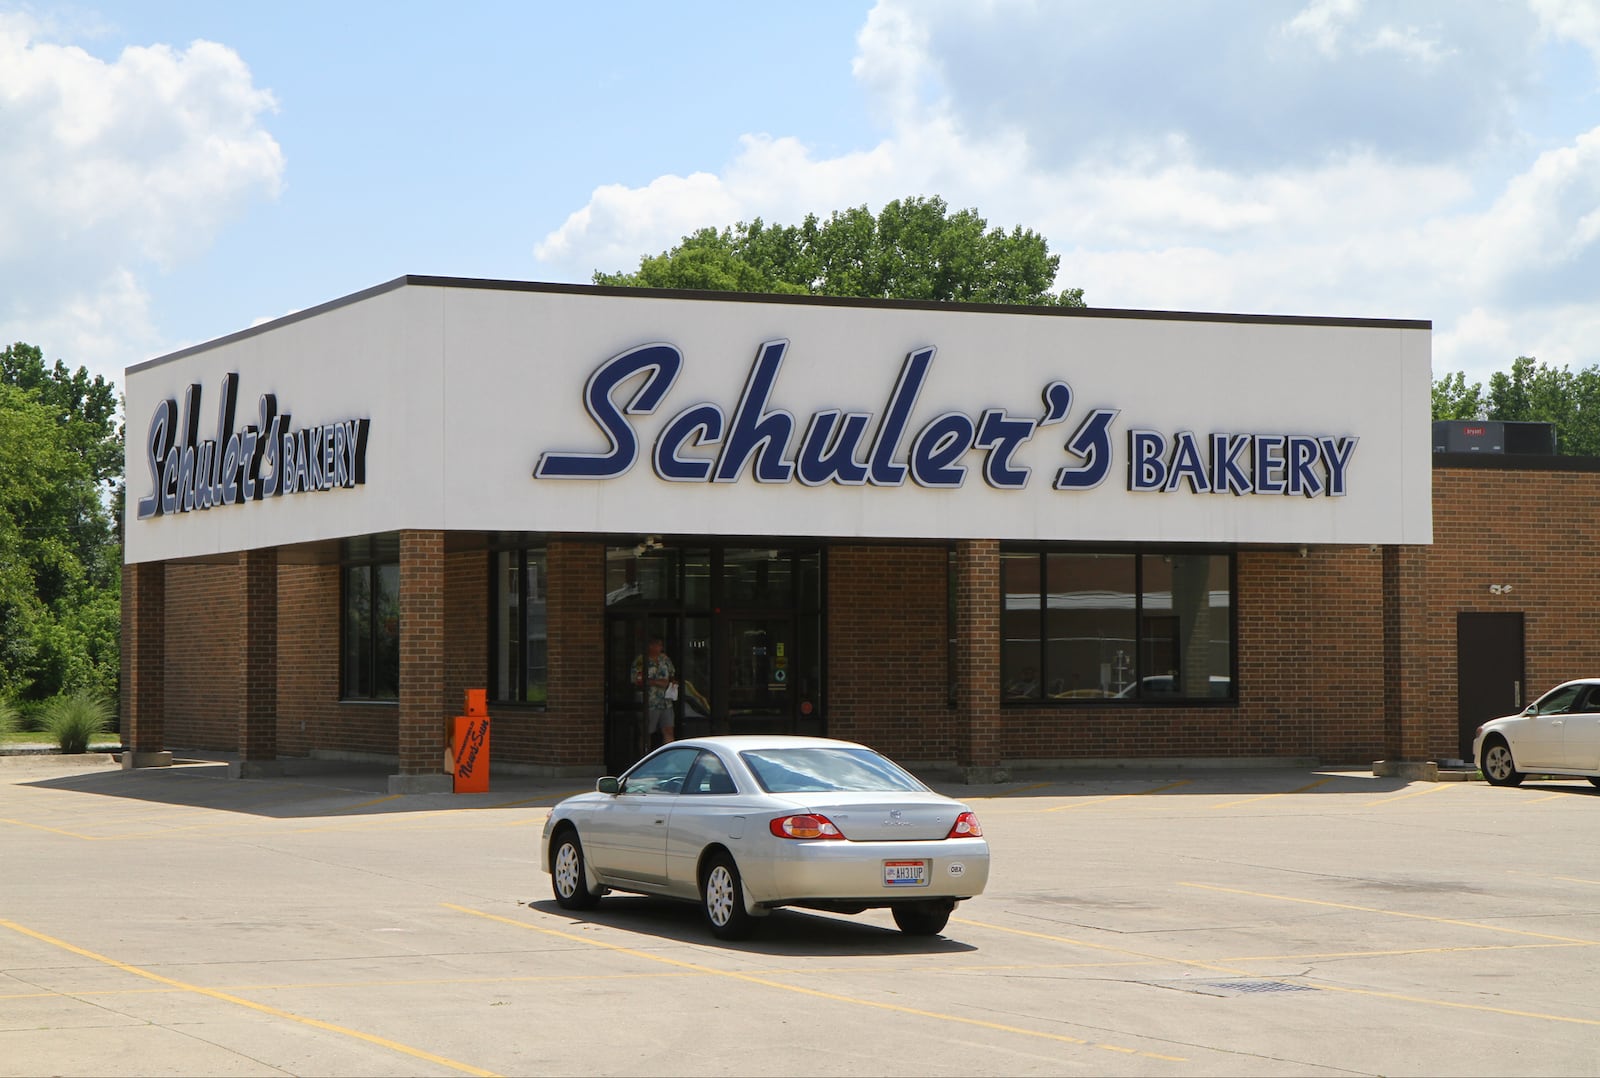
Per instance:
(1489,672)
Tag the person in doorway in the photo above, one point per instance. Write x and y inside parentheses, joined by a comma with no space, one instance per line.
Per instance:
(654,673)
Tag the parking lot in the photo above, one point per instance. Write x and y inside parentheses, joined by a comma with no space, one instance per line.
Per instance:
(1153,921)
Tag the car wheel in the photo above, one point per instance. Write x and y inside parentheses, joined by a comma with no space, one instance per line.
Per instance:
(922,919)
(567,876)
(722,897)
(1498,766)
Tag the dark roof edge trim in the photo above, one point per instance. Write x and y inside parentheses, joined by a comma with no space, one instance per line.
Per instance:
(794,300)
(1516,462)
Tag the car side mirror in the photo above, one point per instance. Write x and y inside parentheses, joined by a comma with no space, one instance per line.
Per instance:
(610,784)
(1531,709)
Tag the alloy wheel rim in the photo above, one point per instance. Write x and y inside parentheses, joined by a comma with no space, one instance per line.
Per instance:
(719,896)
(1499,762)
(567,869)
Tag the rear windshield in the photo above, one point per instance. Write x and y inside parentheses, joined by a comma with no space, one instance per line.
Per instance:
(819,770)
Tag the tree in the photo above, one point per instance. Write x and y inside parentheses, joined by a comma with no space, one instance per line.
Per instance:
(1454,399)
(912,249)
(60,453)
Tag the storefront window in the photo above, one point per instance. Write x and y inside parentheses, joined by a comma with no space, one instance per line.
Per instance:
(519,651)
(641,575)
(370,641)
(1149,626)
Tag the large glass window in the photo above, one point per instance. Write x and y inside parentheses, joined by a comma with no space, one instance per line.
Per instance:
(369,667)
(1148,626)
(519,649)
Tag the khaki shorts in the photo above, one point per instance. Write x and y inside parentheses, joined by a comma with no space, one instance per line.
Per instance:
(657,718)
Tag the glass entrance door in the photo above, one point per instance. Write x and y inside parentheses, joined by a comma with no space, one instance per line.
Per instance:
(628,638)
(761,664)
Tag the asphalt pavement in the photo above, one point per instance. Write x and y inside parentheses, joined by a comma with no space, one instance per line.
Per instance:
(1163,921)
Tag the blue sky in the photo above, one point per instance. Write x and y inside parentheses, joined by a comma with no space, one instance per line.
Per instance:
(176,171)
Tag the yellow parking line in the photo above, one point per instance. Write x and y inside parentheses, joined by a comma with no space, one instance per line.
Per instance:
(1023,789)
(1431,788)
(1118,797)
(1263,797)
(211,993)
(1536,800)
(1393,913)
(369,804)
(813,992)
(1213,967)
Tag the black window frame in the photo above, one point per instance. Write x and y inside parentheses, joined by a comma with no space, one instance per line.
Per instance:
(520,549)
(371,555)
(1138,552)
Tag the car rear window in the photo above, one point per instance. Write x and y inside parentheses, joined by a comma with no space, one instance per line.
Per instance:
(820,770)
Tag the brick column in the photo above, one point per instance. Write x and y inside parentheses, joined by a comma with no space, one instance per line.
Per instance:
(977,633)
(574,721)
(1405,688)
(258,722)
(423,712)
(144,674)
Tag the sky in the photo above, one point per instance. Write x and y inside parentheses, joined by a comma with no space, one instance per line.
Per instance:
(171,172)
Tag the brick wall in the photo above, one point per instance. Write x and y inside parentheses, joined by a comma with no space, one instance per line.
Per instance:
(571,731)
(204,667)
(888,668)
(310,715)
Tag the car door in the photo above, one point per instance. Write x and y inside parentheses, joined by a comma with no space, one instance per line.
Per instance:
(1539,739)
(710,809)
(626,837)
(1580,746)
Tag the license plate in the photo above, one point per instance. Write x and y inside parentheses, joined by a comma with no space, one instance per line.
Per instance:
(905,873)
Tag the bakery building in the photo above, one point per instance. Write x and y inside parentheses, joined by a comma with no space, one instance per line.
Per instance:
(973,537)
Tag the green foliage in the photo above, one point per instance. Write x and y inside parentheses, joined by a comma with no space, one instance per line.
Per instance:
(913,249)
(10,718)
(1454,399)
(75,719)
(60,561)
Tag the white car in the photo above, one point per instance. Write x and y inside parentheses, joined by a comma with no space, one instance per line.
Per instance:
(745,824)
(1557,734)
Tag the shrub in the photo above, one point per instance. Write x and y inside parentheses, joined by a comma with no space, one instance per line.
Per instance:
(75,719)
(8,717)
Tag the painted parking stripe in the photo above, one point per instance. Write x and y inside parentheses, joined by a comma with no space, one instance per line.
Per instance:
(1284,793)
(1119,797)
(275,1012)
(1393,913)
(813,992)
(1430,788)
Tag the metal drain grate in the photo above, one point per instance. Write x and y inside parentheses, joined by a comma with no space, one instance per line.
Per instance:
(1253,987)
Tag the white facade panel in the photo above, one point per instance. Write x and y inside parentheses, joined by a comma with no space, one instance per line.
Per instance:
(468,388)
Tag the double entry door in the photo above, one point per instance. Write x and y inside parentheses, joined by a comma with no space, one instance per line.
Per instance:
(737,673)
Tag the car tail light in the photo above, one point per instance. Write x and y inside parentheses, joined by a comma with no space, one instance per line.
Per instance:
(804,825)
(966,826)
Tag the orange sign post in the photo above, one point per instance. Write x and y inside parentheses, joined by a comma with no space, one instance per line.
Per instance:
(470,745)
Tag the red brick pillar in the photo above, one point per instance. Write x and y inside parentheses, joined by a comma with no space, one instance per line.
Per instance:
(144,674)
(258,724)
(574,720)
(1406,704)
(977,633)
(423,711)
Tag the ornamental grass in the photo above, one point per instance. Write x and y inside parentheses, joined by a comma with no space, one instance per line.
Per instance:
(75,719)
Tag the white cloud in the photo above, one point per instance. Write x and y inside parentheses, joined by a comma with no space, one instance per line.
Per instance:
(1474,225)
(116,169)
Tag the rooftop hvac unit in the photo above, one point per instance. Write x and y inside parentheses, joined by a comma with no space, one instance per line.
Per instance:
(1493,436)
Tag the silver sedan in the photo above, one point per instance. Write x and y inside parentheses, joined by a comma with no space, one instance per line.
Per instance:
(745,824)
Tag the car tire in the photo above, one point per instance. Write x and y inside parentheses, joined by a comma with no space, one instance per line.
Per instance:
(722,898)
(922,918)
(568,875)
(1594,779)
(1498,766)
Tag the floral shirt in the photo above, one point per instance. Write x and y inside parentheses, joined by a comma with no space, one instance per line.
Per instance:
(659,668)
